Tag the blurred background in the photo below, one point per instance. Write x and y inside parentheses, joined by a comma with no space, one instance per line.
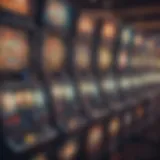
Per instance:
(79,80)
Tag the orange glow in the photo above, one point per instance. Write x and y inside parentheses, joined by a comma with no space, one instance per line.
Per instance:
(15,42)
(85,25)
(53,54)
(140,111)
(18,6)
(108,30)
(114,127)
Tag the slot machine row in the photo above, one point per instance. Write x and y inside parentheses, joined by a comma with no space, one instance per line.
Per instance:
(73,105)
(106,82)
(85,77)
(136,78)
(63,91)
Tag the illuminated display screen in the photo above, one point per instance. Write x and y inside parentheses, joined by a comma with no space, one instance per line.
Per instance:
(126,83)
(85,25)
(114,126)
(25,117)
(63,91)
(58,13)
(108,30)
(126,36)
(108,85)
(69,150)
(17,6)
(14,49)
(95,138)
(104,58)
(88,88)
(82,56)
(53,54)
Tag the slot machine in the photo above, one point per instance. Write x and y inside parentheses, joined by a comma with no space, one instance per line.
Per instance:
(65,111)
(20,12)
(87,86)
(25,119)
(104,60)
(104,69)
(15,55)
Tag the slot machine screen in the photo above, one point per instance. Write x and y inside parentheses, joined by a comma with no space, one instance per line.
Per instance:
(105,58)
(108,30)
(114,127)
(85,25)
(25,116)
(95,138)
(57,13)
(82,56)
(14,49)
(88,88)
(53,54)
(17,6)
(69,150)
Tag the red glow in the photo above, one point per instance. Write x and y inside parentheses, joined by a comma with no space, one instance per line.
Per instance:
(13,120)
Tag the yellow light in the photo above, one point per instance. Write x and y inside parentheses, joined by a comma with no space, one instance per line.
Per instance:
(30,139)
(95,136)
(8,102)
(69,150)
(104,59)
(114,127)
